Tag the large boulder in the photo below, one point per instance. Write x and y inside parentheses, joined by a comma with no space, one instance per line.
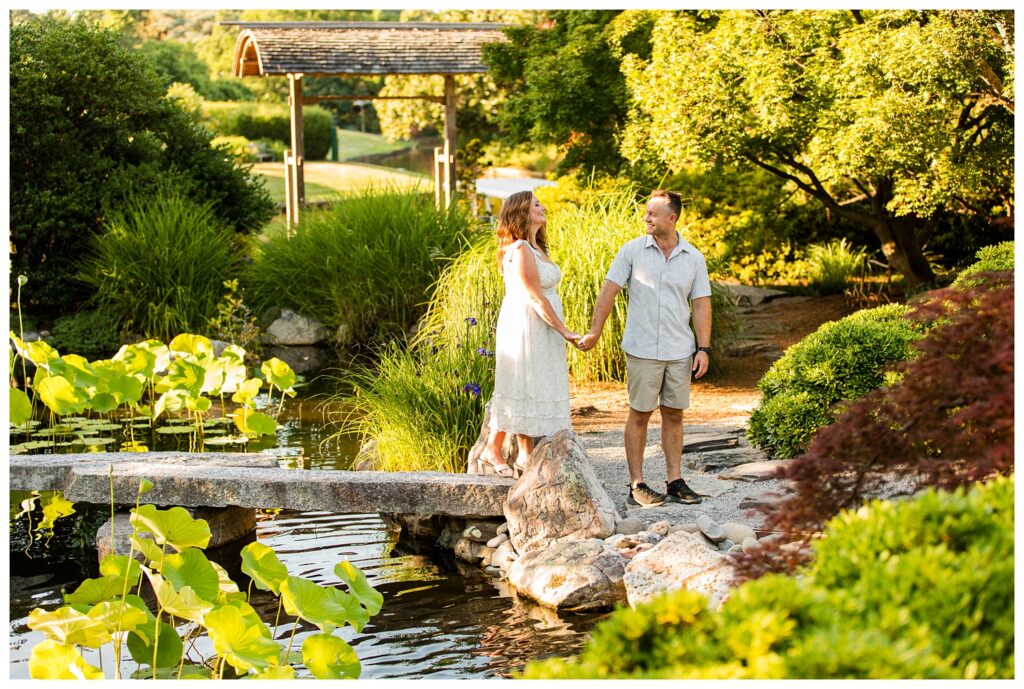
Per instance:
(302,358)
(291,328)
(571,575)
(558,497)
(680,561)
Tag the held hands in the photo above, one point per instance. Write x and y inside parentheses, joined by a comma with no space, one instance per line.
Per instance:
(572,337)
(588,341)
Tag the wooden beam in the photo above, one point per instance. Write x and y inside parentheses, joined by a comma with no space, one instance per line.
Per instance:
(312,100)
(298,144)
(449,138)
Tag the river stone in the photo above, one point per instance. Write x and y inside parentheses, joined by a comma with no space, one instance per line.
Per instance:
(480,530)
(467,550)
(710,528)
(503,528)
(749,545)
(660,528)
(736,532)
(486,555)
(558,497)
(291,328)
(571,575)
(628,526)
(497,540)
(509,448)
(618,540)
(755,471)
(680,561)
(503,556)
(688,527)
(725,545)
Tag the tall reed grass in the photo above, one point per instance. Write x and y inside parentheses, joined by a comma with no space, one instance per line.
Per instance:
(159,266)
(367,265)
(832,266)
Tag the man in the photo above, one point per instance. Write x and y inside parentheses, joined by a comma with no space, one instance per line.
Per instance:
(665,275)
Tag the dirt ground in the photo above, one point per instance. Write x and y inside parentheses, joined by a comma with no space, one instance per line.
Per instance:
(729,392)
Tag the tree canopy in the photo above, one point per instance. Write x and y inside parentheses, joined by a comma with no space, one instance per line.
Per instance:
(886,117)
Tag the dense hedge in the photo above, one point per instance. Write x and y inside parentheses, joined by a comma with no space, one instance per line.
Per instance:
(91,128)
(995,258)
(272,121)
(913,589)
(839,362)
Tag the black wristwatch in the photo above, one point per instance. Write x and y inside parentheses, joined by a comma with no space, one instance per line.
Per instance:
(706,350)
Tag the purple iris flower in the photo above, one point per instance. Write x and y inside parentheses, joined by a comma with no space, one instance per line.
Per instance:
(472,388)
(471,320)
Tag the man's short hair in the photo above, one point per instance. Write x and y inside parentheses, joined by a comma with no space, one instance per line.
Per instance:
(675,201)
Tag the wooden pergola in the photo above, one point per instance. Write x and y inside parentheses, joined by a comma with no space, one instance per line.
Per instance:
(344,49)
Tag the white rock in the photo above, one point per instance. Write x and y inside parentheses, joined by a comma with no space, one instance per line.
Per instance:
(710,528)
(628,526)
(736,532)
(571,575)
(736,548)
(688,527)
(750,545)
(679,561)
(503,528)
(661,528)
(497,540)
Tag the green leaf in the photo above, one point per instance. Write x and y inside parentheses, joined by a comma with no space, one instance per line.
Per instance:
(329,657)
(68,626)
(187,376)
(274,672)
(171,400)
(76,369)
(21,406)
(52,660)
(149,549)
(327,608)
(261,564)
(250,617)
(278,373)
(182,603)
(175,527)
(191,568)
(191,344)
(93,591)
(199,404)
(60,396)
(125,388)
(169,647)
(254,422)
(137,360)
(103,402)
(247,391)
(118,616)
(358,586)
(240,643)
(37,352)
(119,565)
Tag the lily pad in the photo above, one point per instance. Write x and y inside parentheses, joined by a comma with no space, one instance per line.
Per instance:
(226,440)
(176,430)
(52,660)
(240,642)
(329,657)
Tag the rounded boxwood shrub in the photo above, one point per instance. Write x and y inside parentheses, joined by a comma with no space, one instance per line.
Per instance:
(911,589)
(995,258)
(92,334)
(839,362)
(272,121)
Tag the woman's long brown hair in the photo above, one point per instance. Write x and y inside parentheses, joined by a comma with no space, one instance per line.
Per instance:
(514,224)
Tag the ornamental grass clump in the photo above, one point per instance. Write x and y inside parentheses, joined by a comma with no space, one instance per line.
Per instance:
(839,362)
(918,589)
(832,266)
(365,267)
(160,264)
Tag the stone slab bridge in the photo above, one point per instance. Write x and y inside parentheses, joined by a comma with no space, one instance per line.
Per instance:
(256,481)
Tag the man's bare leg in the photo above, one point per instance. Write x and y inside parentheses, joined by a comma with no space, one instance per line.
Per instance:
(672,441)
(636,442)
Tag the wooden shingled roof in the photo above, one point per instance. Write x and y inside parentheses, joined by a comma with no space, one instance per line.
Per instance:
(361,48)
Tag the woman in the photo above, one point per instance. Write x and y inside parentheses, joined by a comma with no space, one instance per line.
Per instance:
(531,377)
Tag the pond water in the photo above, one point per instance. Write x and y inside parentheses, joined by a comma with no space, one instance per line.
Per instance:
(441,618)
(417,159)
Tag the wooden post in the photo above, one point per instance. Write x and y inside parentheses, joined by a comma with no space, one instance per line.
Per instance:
(449,138)
(439,178)
(298,198)
(288,193)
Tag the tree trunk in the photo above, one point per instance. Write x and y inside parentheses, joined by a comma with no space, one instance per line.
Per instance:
(902,249)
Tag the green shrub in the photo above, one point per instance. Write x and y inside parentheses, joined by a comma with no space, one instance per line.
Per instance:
(92,334)
(161,264)
(912,589)
(839,362)
(91,127)
(238,146)
(832,265)
(272,121)
(995,258)
(368,263)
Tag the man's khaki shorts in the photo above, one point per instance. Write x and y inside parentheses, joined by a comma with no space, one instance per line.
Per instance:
(649,379)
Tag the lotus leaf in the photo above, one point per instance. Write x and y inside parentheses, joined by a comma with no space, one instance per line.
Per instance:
(191,568)
(254,422)
(69,626)
(168,647)
(52,660)
(21,407)
(329,657)
(250,616)
(76,369)
(247,392)
(198,404)
(103,402)
(187,343)
(278,373)
(261,564)
(149,549)
(175,430)
(182,603)
(38,352)
(174,526)
(92,591)
(118,616)
(133,446)
(240,643)
(274,672)
(187,376)
(124,387)
(228,589)
(227,440)
(327,608)
(160,351)
(60,396)
(137,360)
(358,586)
(170,400)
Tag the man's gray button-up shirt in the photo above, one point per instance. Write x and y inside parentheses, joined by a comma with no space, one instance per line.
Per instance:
(660,290)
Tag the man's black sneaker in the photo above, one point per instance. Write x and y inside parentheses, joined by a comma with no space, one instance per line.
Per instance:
(641,494)
(678,491)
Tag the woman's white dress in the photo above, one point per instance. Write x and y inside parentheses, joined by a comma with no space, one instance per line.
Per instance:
(531,376)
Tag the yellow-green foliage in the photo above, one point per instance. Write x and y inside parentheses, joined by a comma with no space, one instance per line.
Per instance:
(998,257)
(916,589)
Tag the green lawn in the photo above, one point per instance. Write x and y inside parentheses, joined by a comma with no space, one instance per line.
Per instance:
(322,179)
(354,144)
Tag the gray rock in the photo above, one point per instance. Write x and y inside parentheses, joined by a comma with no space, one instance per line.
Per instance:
(571,575)
(646,537)
(291,328)
(343,335)
(303,359)
(725,545)
(617,540)
(497,540)
(660,528)
(426,526)
(755,471)
(559,497)
(724,459)
(745,295)
(629,525)
(767,500)
(688,527)
(710,529)
(219,346)
(480,530)
(509,448)
(749,545)
(227,524)
(680,561)
(737,533)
